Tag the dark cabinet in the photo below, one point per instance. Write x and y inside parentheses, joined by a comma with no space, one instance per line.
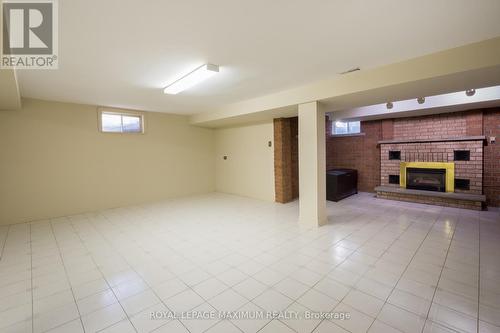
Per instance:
(341,183)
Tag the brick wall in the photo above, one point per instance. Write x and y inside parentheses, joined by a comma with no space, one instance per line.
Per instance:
(387,129)
(491,127)
(359,152)
(443,126)
(474,122)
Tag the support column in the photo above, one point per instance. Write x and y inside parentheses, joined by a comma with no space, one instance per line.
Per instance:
(312,164)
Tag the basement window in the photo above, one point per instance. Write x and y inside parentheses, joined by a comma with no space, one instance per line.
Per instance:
(346,127)
(121,121)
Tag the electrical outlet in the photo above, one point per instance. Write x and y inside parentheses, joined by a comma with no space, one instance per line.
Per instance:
(269,144)
(492,139)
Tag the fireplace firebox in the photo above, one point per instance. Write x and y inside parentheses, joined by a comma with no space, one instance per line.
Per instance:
(426,179)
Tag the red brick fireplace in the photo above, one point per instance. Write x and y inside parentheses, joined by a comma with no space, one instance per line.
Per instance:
(460,139)
(459,157)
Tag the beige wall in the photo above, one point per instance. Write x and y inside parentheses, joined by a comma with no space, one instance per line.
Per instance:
(249,168)
(54,161)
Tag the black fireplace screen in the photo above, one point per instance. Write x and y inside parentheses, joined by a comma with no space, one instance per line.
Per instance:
(426,179)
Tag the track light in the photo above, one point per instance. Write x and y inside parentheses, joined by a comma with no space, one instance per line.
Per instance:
(421,100)
(470,92)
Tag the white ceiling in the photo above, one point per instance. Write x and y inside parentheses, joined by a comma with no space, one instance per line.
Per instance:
(121,53)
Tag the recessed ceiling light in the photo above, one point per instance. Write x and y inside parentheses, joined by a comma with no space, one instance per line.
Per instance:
(421,100)
(193,78)
(470,92)
(389,105)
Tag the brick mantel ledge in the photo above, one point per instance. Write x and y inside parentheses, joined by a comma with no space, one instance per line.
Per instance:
(461,138)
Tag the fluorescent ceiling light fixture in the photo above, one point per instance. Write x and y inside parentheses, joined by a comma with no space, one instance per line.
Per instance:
(200,74)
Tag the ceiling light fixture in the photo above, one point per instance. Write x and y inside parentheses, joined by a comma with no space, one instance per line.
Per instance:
(421,100)
(193,78)
(389,105)
(470,92)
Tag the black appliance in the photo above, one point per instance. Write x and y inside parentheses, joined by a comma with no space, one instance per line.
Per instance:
(426,179)
(341,183)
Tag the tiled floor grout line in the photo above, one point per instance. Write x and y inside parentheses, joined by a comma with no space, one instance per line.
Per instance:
(406,268)
(276,250)
(312,287)
(133,269)
(324,276)
(441,272)
(353,287)
(249,276)
(362,275)
(176,276)
(66,273)
(385,251)
(187,259)
(229,287)
(385,301)
(190,287)
(103,277)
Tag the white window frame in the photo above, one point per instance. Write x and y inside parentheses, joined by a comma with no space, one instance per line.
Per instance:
(120,112)
(348,133)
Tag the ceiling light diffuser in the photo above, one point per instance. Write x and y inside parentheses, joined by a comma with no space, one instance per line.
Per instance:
(200,74)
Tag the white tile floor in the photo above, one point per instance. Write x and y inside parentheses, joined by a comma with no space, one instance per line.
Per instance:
(394,267)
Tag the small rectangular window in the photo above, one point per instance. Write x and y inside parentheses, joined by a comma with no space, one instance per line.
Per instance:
(346,127)
(461,155)
(394,155)
(121,122)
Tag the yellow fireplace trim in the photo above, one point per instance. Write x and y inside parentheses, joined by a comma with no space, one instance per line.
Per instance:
(448,166)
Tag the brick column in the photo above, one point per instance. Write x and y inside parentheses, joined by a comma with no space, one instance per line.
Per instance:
(282,160)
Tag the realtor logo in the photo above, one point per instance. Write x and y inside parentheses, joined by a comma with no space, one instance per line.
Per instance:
(29,34)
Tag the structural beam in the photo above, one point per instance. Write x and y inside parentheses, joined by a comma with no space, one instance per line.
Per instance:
(475,65)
